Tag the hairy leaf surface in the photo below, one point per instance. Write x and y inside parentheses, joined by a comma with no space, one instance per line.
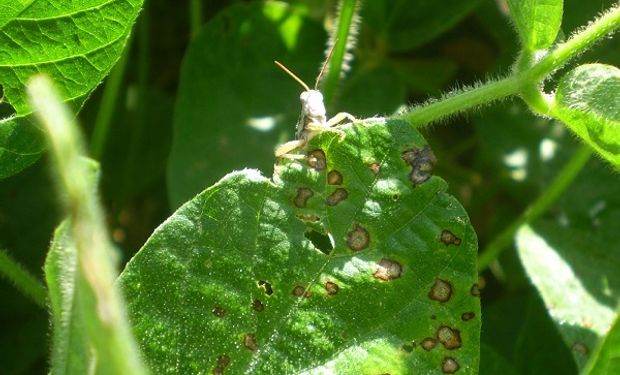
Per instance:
(588,102)
(355,260)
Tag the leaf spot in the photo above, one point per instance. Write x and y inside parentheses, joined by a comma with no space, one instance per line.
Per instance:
(449,365)
(222,362)
(467,316)
(336,197)
(258,305)
(580,348)
(428,344)
(375,168)
(475,290)
(450,338)
(301,199)
(358,239)
(396,197)
(388,269)
(407,348)
(421,162)
(448,238)
(249,341)
(317,160)
(440,291)
(266,286)
(334,178)
(331,288)
(218,311)
(300,291)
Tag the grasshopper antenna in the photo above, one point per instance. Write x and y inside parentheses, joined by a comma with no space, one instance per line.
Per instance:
(292,75)
(329,57)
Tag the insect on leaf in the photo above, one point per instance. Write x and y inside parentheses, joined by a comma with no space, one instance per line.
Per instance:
(355,260)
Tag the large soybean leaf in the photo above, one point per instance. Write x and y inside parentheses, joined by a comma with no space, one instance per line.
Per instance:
(537,21)
(234,105)
(572,258)
(588,102)
(606,359)
(75,42)
(401,25)
(354,261)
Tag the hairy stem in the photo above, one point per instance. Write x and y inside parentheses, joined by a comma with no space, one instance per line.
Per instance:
(517,82)
(99,300)
(22,279)
(561,182)
(342,37)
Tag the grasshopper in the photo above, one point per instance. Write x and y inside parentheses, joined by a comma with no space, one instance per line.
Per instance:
(313,117)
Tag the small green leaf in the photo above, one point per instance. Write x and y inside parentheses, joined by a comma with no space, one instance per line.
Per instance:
(70,347)
(537,21)
(355,260)
(234,105)
(74,42)
(606,359)
(588,102)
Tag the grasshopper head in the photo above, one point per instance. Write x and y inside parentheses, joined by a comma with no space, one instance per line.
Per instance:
(312,105)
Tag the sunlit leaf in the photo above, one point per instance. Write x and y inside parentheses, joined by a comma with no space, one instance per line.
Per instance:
(355,260)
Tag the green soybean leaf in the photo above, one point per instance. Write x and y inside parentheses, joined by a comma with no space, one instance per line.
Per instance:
(606,359)
(588,102)
(74,42)
(401,25)
(71,350)
(234,105)
(354,260)
(572,259)
(537,21)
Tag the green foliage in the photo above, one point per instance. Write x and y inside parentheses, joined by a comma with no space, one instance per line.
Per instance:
(355,259)
(537,21)
(588,101)
(400,270)
(606,360)
(76,43)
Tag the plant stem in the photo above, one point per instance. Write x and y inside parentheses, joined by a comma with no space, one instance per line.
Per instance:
(538,207)
(195,16)
(22,279)
(98,299)
(108,105)
(427,114)
(516,82)
(342,38)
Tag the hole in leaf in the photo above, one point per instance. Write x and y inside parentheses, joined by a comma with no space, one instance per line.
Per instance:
(218,311)
(321,241)
(266,286)
(6,109)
